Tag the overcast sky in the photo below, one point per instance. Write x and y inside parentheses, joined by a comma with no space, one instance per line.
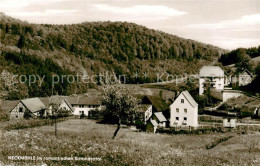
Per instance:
(225,23)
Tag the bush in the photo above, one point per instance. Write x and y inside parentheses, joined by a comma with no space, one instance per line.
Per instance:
(4,116)
(218,141)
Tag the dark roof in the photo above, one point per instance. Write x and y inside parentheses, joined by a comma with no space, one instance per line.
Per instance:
(47,100)
(157,102)
(33,104)
(143,107)
(80,100)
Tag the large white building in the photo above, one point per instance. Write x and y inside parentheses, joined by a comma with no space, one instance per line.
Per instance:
(184,111)
(82,105)
(211,77)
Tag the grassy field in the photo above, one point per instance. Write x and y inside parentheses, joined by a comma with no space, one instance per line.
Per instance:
(86,138)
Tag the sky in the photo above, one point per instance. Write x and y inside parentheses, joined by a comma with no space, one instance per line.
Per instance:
(229,24)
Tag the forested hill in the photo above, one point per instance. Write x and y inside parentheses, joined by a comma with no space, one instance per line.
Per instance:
(95,47)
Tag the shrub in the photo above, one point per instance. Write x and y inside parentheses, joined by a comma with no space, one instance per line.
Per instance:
(4,116)
(218,141)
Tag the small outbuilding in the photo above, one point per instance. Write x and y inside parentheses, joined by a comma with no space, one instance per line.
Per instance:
(229,123)
(160,119)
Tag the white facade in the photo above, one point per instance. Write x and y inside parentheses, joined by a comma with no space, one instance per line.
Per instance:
(211,77)
(217,83)
(229,123)
(148,113)
(243,78)
(84,109)
(18,111)
(184,111)
(63,105)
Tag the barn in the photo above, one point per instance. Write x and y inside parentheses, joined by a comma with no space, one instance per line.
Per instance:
(32,106)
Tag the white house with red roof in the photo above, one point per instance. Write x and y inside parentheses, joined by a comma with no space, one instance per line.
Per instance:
(184,111)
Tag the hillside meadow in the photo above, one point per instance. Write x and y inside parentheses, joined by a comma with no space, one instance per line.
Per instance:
(86,138)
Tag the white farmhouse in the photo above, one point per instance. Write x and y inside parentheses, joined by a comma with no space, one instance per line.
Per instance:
(82,105)
(184,111)
(33,106)
(211,77)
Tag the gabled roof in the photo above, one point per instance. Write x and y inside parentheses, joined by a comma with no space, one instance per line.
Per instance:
(157,102)
(33,104)
(48,100)
(211,71)
(80,100)
(143,107)
(244,71)
(160,116)
(69,105)
(189,98)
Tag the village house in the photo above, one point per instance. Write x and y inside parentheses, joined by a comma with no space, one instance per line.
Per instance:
(211,77)
(82,105)
(242,78)
(160,119)
(33,106)
(184,111)
(60,100)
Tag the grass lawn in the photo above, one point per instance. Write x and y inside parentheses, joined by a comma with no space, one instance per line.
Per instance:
(86,138)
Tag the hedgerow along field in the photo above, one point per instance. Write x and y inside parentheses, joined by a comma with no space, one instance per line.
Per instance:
(86,138)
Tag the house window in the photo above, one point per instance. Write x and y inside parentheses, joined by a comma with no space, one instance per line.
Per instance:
(185,118)
(177,110)
(177,118)
(21,109)
(182,100)
(219,85)
(185,110)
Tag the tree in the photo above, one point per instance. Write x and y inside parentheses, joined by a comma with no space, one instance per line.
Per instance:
(120,104)
(21,42)
(56,112)
(243,60)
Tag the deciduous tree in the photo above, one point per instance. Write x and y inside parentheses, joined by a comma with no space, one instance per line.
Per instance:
(120,103)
